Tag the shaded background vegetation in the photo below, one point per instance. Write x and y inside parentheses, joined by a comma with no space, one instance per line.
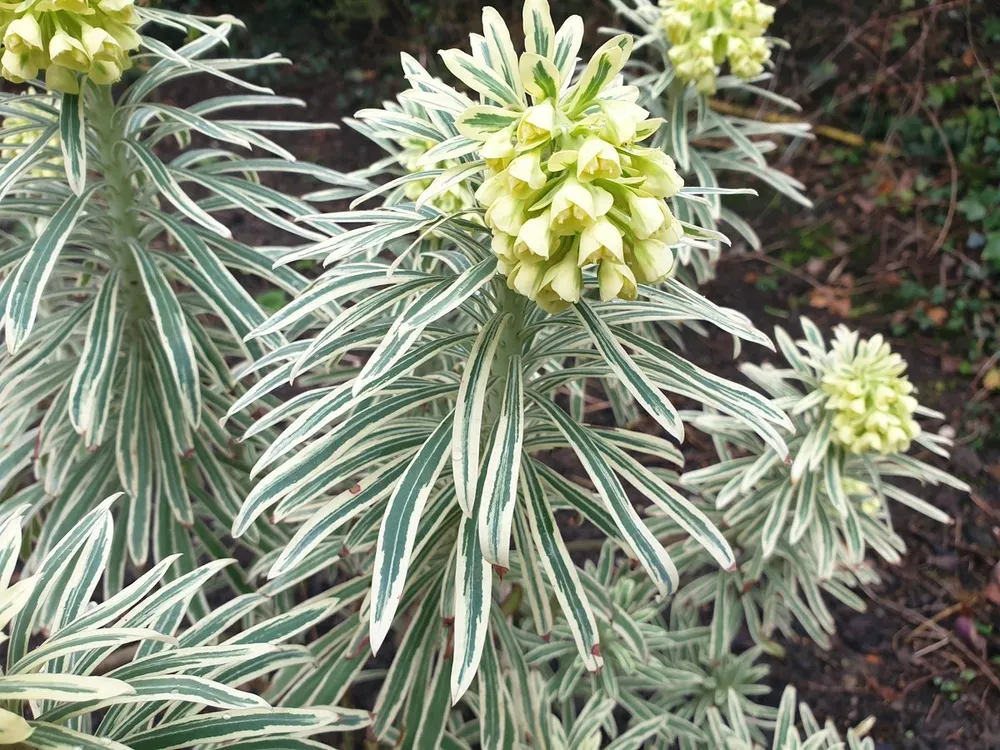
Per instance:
(904,239)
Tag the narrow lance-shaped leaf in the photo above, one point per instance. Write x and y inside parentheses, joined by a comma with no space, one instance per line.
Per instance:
(644,545)
(24,161)
(687,516)
(473,599)
(637,382)
(99,351)
(777,516)
(469,410)
(539,31)
(35,269)
(173,192)
(399,529)
(441,300)
(173,333)
(502,470)
(560,568)
(73,135)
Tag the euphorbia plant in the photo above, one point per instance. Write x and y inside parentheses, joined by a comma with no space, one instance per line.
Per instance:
(803,526)
(687,45)
(422,463)
(123,315)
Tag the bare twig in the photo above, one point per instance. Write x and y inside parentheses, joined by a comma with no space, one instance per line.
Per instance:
(916,618)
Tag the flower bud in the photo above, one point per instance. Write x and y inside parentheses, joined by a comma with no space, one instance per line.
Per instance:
(869,396)
(506,215)
(602,240)
(647,214)
(68,52)
(498,150)
(525,174)
(576,206)
(662,179)
(535,238)
(652,262)
(561,286)
(616,280)
(66,38)
(23,36)
(537,125)
(525,277)
(621,120)
(598,159)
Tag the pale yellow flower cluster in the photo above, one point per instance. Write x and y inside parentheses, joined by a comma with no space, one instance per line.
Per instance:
(20,132)
(454,200)
(67,38)
(871,397)
(705,33)
(568,188)
(869,503)
(565,195)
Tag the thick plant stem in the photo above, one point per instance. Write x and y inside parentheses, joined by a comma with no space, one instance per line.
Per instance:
(119,193)
(513,304)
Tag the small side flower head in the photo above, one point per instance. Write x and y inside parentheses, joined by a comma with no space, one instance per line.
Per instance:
(21,132)
(567,185)
(411,158)
(703,34)
(870,396)
(67,39)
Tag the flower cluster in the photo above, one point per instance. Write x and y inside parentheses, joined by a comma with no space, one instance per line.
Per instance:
(704,33)
(456,199)
(21,132)
(873,400)
(568,187)
(66,38)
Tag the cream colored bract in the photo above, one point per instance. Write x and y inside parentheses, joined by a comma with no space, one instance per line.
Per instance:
(568,186)
(66,39)
(705,33)
(869,395)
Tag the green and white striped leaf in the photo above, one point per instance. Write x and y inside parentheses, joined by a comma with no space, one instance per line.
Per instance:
(398,531)
(606,63)
(569,39)
(258,722)
(34,271)
(539,76)
(776,519)
(492,699)
(433,720)
(473,600)
(420,636)
(687,516)
(629,373)
(480,79)
(465,444)
(339,511)
(59,687)
(25,160)
(73,137)
(422,312)
(560,569)
(54,737)
(173,192)
(174,335)
(532,576)
(97,361)
(503,466)
(640,540)
(539,31)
